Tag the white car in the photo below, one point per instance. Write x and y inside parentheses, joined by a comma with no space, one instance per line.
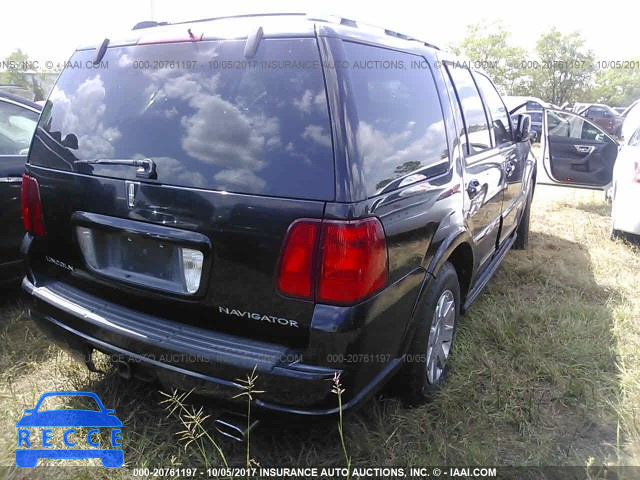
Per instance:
(631,119)
(577,153)
(625,195)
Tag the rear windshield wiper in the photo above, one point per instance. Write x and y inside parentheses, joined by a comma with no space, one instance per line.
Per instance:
(146,166)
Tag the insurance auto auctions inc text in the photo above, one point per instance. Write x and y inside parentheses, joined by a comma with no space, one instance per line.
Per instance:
(355,472)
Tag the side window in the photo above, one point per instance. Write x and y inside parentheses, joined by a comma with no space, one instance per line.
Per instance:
(401,133)
(499,114)
(17,125)
(595,112)
(477,130)
(635,138)
(574,126)
(589,132)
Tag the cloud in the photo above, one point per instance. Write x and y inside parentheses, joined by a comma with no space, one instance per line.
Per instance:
(219,132)
(82,114)
(317,134)
(384,151)
(239,178)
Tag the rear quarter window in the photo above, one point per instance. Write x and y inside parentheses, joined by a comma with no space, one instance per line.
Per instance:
(401,133)
(206,115)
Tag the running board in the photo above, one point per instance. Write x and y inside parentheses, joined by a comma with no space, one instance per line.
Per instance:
(488,272)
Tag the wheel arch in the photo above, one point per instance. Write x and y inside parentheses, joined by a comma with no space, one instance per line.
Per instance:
(457,250)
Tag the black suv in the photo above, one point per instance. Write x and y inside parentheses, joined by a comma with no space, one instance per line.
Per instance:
(305,196)
(18,119)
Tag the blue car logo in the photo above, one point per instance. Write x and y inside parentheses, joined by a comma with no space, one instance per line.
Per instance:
(33,445)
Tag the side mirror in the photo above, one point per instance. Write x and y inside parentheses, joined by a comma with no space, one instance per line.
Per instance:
(523,128)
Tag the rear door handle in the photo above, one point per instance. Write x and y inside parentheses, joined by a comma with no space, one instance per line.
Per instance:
(473,188)
(585,148)
(10,179)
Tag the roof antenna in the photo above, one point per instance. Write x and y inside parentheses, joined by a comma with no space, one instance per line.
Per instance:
(101,51)
(191,35)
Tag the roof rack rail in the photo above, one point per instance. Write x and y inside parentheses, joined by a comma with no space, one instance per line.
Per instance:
(151,23)
(324,18)
(246,15)
(356,24)
(148,24)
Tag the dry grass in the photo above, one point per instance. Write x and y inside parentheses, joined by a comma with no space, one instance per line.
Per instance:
(546,372)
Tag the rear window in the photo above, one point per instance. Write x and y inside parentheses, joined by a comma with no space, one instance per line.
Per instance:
(401,133)
(206,115)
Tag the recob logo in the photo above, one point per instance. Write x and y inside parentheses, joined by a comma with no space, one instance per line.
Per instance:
(80,433)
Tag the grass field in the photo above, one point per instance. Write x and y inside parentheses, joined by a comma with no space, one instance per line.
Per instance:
(546,371)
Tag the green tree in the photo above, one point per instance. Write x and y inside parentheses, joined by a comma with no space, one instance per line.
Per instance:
(490,45)
(16,76)
(617,87)
(565,68)
(22,75)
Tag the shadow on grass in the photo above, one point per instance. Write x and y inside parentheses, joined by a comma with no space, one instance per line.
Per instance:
(602,208)
(22,346)
(533,383)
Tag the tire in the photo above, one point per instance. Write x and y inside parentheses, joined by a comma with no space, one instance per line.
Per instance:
(522,240)
(424,373)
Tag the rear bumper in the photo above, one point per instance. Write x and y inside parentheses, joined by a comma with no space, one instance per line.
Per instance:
(187,357)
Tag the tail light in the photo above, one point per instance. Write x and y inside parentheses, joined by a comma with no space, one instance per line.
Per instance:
(336,262)
(636,173)
(32,207)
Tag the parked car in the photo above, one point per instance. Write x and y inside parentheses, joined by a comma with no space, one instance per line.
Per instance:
(605,117)
(517,103)
(18,91)
(578,107)
(577,152)
(580,154)
(631,119)
(18,118)
(625,215)
(305,220)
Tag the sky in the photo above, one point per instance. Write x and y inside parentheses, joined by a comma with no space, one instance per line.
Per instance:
(55,28)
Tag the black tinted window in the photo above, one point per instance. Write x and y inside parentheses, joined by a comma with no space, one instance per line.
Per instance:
(498,112)
(16,128)
(401,133)
(596,112)
(477,129)
(208,116)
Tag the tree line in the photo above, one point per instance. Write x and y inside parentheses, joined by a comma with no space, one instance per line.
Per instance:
(559,69)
